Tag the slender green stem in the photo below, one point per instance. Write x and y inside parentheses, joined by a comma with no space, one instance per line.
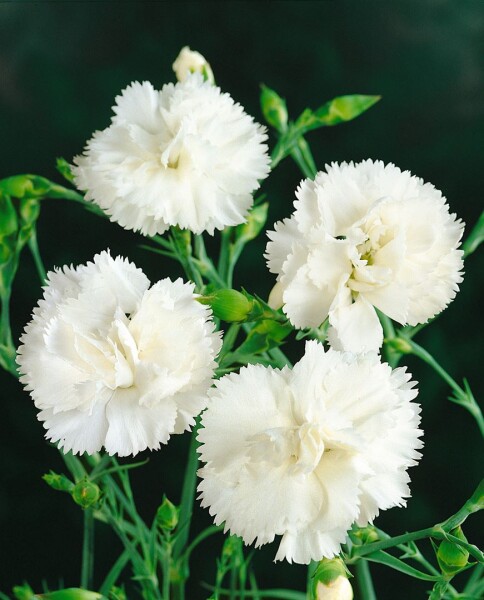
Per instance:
(304,159)
(365,582)
(224,257)
(115,572)
(87,569)
(463,397)
(34,249)
(311,570)
(209,531)
(475,237)
(278,356)
(166,564)
(392,541)
(474,579)
(188,495)
(439,531)
(6,333)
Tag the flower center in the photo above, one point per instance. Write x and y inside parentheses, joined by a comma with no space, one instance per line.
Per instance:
(299,448)
(367,274)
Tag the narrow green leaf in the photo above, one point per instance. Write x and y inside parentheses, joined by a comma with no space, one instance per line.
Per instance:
(338,110)
(388,560)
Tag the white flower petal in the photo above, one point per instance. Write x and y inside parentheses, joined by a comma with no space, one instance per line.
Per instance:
(112,363)
(186,155)
(355,327)
(400,251)
(306,453)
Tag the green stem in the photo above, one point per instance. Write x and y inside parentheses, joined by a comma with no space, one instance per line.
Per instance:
(311,570)
(439,531)
(87,569)
(475,237)
(166,564)
(391,355)
(34,249)
(475,577)
(188,495)
(365,582)
(304,159)
(224,257)
(209,531)
(114,574)
(463,397)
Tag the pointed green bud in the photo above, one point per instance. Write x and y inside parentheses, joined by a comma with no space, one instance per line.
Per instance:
(167,515)
(452,557)
(23,592)
(86,493)
(117,593)
(228,305)
(273,108)
(367,534)
(70,594)
(400,344)
(65,169)
(330,581)
(58,482)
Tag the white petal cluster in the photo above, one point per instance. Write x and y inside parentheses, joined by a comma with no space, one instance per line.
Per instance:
(365,236)
(110,361)
(186,155)
(305,453)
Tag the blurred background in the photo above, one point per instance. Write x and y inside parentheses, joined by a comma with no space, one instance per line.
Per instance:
(61,65)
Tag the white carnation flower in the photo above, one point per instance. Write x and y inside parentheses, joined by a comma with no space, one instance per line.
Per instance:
(305,453)
(191,61)
(111,362)
(365,236)
(186,155)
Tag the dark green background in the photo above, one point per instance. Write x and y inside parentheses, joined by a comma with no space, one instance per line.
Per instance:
(61,65)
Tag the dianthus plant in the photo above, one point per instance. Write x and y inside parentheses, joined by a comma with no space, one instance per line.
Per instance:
(306,454)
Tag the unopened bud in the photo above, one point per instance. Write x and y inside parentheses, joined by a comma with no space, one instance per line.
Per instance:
(275,297)
(400,344)
(273,108)
(339,589)
(190,61)
(86,493)
(117,593)
(228,305)
(58,482)
(452,557)
(330,581)
(367,534)
(167,515)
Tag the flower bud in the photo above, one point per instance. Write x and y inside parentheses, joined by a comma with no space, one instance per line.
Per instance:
(23,592)
(275,300)
(339,589)
(452,557)
(231,548)
(228,305)
(367,534)
(86,493)
(330,581)
(58,482)
(117,593)
(167,515)
(190,61)
(401,345)
(273,108)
